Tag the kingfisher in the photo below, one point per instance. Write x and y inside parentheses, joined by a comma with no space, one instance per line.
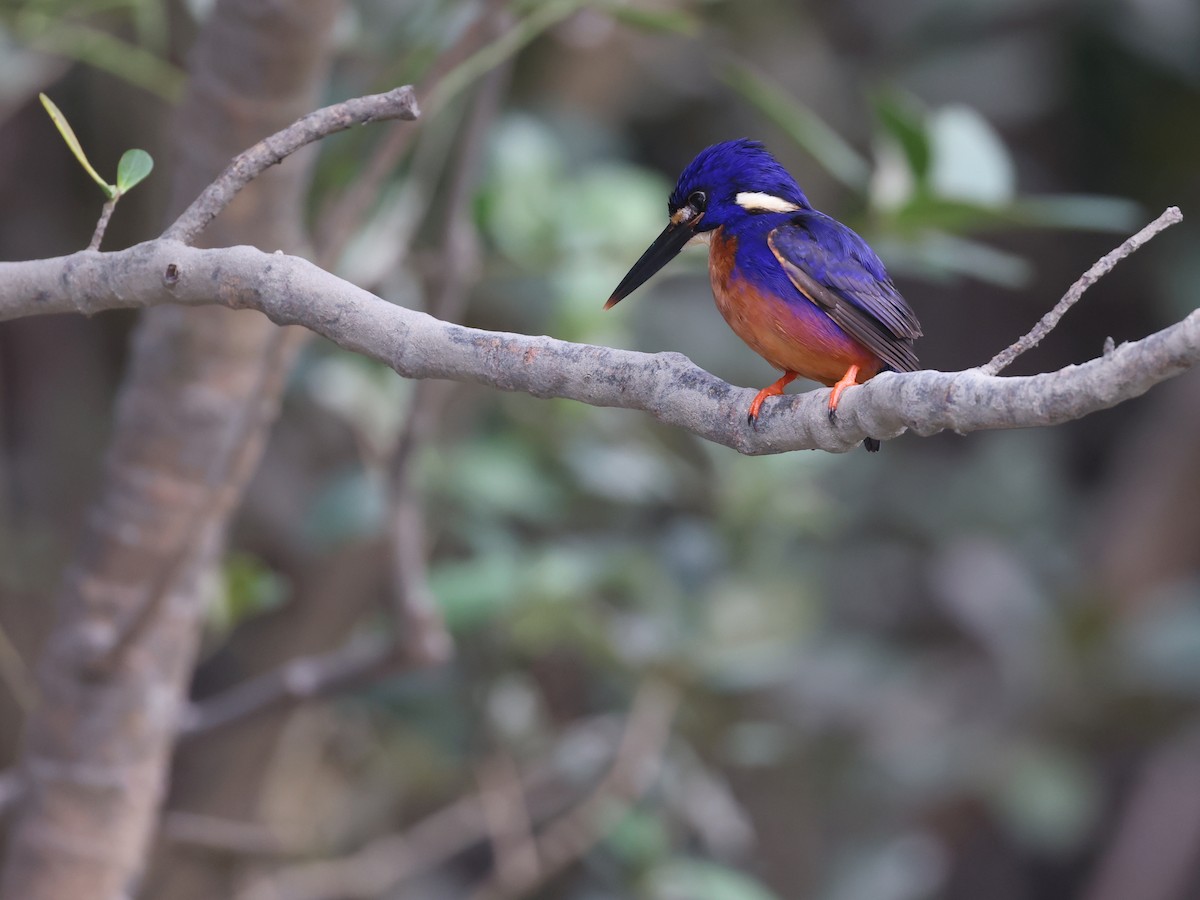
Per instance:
(804,291)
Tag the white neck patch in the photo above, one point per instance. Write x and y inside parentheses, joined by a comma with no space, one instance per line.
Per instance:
(757,201)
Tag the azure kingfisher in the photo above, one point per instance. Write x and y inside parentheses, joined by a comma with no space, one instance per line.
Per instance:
(803,290)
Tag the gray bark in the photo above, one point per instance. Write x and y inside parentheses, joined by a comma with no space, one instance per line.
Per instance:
(189,426)
(668,385)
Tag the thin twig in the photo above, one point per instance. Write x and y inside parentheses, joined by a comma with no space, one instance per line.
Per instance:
(378,868)
(420,626)
(576,831)
(416,613)
(1103,266)
(389,861)
(304,678)
(220,835)
(375,869)
(541,18)
(345,214)
(508,822)
(399,103)
(102,225)
(430,642)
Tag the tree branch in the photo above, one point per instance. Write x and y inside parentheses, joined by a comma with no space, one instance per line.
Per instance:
(344,215)
(577,830)
(1002,360)
(234,465)
(359,661)
(1145,858)
(96,751)
(667,385)
(417,619)
(102,224)
(628,758)
(399,103)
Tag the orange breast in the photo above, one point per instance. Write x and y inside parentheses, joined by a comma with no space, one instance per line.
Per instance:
(792,336)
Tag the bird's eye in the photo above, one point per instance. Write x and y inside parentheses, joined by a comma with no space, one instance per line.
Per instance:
(697,200)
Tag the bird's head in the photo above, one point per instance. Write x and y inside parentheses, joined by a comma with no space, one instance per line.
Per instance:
(722,186)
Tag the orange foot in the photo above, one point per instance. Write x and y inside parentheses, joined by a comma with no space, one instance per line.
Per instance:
(850,379)
(773,391)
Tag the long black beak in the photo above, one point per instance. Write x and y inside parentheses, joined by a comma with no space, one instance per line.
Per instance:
(664,249)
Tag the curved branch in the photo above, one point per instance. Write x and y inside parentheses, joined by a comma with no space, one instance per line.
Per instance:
(669,386)
(399,103)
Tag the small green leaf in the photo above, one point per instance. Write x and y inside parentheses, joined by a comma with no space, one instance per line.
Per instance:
(134,166)
(68,134)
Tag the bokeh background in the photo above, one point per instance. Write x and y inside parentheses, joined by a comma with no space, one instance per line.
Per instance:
(963,667)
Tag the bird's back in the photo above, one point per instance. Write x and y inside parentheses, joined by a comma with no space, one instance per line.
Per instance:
(809,296)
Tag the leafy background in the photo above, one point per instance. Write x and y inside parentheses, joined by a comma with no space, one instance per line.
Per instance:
(963,667)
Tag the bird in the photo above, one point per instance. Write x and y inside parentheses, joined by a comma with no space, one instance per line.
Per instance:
(804,291)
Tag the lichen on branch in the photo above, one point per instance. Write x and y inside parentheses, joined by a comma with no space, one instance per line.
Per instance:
(669,386)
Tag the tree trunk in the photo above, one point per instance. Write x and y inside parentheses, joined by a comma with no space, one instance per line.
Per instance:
(191,418)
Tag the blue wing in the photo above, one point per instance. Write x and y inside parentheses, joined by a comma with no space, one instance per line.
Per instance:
(835,269)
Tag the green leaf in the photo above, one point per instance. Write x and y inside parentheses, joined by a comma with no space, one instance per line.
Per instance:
(1160,652)
(133,168)
(351,506)
(95,47)
(904,121)
(1082,211)
(942,254)
(969,161)
(802,124)
(541,17)
(1047,797)
(68,134)
(662,21)
(638,838)
(471,593)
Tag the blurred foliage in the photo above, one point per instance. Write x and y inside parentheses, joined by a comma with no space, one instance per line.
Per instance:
(90,31)
(684,879)
(937,176)
(905,674)
(248,588)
